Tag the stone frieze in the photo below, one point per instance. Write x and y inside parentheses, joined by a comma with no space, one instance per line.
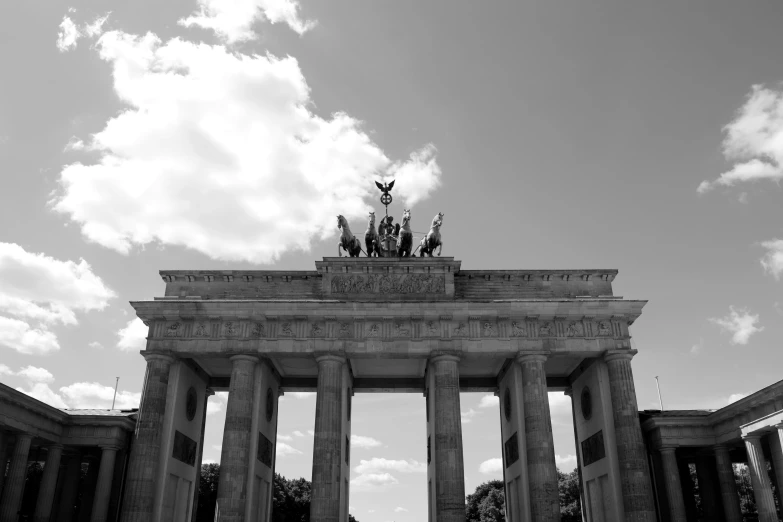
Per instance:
(388,284)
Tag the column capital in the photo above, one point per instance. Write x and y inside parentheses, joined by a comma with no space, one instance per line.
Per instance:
(157,356)
(526,357)
(444,356)
(667,450)
(23,435)
(110,447)
(244,357)
(614,355)
(334,357)
(56,445)
(752,437)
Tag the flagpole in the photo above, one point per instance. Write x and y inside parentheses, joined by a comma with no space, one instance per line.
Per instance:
(115,392)
(658,384)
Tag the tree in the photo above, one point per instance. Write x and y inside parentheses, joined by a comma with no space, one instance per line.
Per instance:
(568,488)
(290,498)
(487,503)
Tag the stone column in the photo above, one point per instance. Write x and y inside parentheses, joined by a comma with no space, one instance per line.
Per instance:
(88,488)
(776,448)
(3,457)
(705,474)
(570,392)
(43,505)
(631,454)
(762,488)
(236,452)
(17,473)
(70,488)
(138,504)
(671,480)
(207,394)
(327,443)
(541,467)
(100,503)
(447,428)
(728,487)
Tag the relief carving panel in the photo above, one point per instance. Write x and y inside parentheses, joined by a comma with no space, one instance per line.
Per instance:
(389,284)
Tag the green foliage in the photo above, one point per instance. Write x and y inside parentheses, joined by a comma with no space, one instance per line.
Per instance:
(290,498)
(568,488)
(488,504)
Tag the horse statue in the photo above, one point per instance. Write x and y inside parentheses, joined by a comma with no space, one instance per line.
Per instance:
(371,238)
(432,239)
(405,236)
(348,241)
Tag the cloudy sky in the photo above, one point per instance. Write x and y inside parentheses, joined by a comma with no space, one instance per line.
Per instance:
(642,136)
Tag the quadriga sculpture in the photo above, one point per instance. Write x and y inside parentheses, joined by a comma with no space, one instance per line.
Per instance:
(405,237)
(432,238)
(348,241)
(371,238)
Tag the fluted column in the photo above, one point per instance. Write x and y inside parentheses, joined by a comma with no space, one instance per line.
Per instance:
(100,503)
(635,480)
(447,428)
(137,506)
(207,394)
(762,487)
(3,456)
(728,486)
(43,505)
(17,472)
(570,393)
(236,452)
(671,479)
(776,449)
(327,442)
(541,466)
(70,488)
(705,474)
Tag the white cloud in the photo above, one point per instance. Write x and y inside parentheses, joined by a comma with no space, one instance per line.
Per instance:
(773,259)
(134,336)
(311,433)
(399,509)
(566,463)
(40,289)
(93,395)
(96,27)
(95,345)
(376,465)
(491,466)
(74,144)
(43,393)
(5,370)
(68,35)
(190,139)
(358,441)
(233,20)
(488,401)
(467,416)
(284,449)
(285,437)
(20,336)
(754,141)
(740,323)
(696,348)
(298,433)
(373,481)
(216,402)
(33,374)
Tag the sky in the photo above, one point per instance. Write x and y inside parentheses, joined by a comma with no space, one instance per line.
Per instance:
(640,136)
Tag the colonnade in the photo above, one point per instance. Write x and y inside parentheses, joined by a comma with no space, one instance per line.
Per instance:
(59,487)
(331,455)
(717,485)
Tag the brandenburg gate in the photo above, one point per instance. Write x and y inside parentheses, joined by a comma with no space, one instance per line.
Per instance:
(386,324)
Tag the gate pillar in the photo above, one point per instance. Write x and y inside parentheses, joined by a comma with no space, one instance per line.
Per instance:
(445,469)
(332,441)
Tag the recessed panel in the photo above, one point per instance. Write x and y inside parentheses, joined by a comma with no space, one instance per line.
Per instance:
(388,367)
